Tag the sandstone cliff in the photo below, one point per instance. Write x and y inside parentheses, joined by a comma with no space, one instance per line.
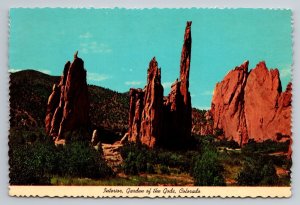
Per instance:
(227,106)
(251,105)
(68,104)
(267,108)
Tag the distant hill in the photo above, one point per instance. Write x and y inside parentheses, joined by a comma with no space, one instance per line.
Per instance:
(29,92)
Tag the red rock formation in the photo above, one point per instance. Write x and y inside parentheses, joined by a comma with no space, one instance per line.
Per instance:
(53,102)
(71,111)
(267,108)
(252,105)
(55,108)
(178,108)
(227,106)
(136,107)
(151,125)
(158,119)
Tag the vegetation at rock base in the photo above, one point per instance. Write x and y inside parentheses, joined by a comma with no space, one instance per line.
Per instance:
(208,170)
(253,164)
(140,159)
(257,172)
(267,146)
(203,164)
(227,143)
(38,160)
(80,159)
(35,160)
(31,164)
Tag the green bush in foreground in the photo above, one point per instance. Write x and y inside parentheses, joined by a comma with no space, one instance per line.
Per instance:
(140,159)
(36,163)
(79,159)
(258,172)
(31,164)
(137,159)
(207,170)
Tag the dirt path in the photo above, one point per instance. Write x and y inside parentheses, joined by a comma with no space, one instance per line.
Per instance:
(112,155)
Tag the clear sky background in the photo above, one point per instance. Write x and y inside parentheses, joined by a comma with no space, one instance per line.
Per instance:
(118,44)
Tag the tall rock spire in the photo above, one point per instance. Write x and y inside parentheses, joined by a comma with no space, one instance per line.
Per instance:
(185,62)
(178,108)
(68,105)
(151,127)
(158,120)
(186,115)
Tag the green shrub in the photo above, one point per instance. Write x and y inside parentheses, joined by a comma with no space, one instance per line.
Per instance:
(230,144)
(164,169)
(231,158)
(269,176)
(36,161)
(129,165)
(150,168)
(80,159)
(267,146)
(257,171)
(203,141)
(31,164)
(207,170)
(80,134)
(138,158)
(22,137)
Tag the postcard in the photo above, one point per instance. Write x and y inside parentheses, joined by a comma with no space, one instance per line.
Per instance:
(150,102)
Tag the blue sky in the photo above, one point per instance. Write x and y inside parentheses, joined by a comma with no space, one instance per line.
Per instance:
(118,44)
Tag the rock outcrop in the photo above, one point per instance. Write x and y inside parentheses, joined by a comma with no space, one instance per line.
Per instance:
(52,104)
(267,108)
(68,104)
(136,107)
(146,107)
(154,119)
(251,105)
(227,106)
(151,124)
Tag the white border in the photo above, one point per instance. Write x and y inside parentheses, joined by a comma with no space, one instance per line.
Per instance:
(148,191)
(4,104)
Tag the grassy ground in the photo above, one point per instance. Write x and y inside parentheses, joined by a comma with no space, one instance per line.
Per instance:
(142,180)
